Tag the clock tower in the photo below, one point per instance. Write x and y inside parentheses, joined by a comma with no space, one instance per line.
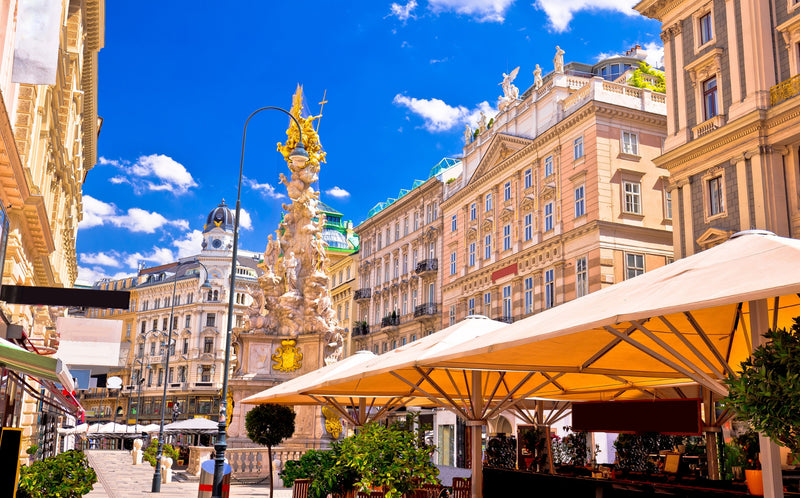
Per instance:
(218,230)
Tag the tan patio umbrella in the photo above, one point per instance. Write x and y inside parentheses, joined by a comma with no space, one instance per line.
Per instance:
(364,408)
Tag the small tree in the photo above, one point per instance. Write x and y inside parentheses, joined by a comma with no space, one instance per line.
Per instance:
(66,475)
(767,391)
(268,425)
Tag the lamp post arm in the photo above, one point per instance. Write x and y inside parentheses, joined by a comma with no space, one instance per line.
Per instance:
(220,445)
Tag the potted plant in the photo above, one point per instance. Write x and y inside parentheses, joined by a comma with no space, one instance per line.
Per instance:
(734,461)
(326,471)
(766,392)
(66,475)
(534,449)
(31,451)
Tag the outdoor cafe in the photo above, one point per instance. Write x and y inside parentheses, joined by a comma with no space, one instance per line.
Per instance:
(646,358)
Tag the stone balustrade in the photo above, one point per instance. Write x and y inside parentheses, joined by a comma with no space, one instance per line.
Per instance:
(244,462)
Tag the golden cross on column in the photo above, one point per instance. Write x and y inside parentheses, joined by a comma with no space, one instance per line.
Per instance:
(321,105)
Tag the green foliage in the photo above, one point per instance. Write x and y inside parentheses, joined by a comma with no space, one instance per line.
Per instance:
(750,447)
(732,456)
(32,449)
(149,454)
(571,449)
(632,449)
(269,424)
(640,78)
(393,458)
(534,442)
(67,475)
(767,391)
(490,123)
(327,475)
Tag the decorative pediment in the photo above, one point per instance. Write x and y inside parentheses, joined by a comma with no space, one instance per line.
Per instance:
(713,237)
(501,148)
(705,66)
(548,190)
(487,224)
(472,233)
(507,215)
(527,203)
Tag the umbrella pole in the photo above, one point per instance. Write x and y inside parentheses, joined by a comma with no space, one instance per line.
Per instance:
(475,434)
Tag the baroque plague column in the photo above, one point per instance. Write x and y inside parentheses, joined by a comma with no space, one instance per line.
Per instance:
(291,328)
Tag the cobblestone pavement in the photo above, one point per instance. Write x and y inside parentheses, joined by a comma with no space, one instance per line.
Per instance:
(117,477)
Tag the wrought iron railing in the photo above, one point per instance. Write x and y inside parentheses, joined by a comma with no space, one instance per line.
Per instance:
(360,328)
(427,265)
(426,310)
(390,321)
(785,90)
(363,294)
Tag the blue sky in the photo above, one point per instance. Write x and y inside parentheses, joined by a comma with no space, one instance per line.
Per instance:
(178,79)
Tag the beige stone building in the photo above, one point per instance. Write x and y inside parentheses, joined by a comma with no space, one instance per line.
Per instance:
(732,136)
(559,198)
(48,141)
(398,298)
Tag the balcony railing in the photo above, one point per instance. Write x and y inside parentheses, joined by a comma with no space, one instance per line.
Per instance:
(709,125)
(363,294)
(427,265)
(390,321)
(785,90)
(506,319)
(360,328)
(426,309)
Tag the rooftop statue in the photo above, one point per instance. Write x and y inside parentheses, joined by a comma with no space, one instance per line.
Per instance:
(510,91)
(558,60)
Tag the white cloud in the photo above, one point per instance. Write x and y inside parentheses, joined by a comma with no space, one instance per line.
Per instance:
(403,12)
(95,212)
(159,256)
(654,57)
(89,276)
(153,173)
(100,258)
(482,10)
(439,116)
(337,192)
(246,223)
(190,244)
(265,189)
(560,12)
(438,61)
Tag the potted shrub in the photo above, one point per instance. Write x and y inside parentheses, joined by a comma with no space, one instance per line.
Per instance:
(766,392)
(326,472)
(31,451)
(149,454)
(734,461)
(67,475)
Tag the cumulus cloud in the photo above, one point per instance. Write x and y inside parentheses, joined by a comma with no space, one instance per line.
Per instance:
(654,57)
(97,213)
(403,12)
(438,61)
(100,258)
(337,192)
(560,12)
(153,173)
(190,244)
(158,256)
(439,116)
(265,189)
(90,276)
(481,10)
(246,223)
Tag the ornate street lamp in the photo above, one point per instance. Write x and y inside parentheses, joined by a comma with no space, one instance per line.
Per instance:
(157,474)
(299,157)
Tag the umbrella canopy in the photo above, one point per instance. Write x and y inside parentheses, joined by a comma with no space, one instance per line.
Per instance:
(364,408)
(193,425)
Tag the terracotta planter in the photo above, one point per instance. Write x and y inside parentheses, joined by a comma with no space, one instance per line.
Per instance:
(755,482)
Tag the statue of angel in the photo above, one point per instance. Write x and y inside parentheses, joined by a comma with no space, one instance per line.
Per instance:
(510,91)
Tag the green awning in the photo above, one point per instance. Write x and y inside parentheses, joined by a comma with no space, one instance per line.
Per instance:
(43,367)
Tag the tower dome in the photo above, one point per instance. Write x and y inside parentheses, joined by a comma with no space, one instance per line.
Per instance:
(219,217)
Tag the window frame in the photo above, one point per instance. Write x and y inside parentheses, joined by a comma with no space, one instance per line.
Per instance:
(631,201)
(454,223)
(629,268)
(487,246)
(710,98)
(452,263)
(473,211)
(488,202)
(549,166)
(471,254)
(581,276)
(549,288)
(577,148)
(527,223)
(629,147)
(549,221)
(580,202)
(527,178)
(507,191)
(507,237)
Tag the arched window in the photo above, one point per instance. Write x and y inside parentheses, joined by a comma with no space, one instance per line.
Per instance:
(210,295)
(216,295)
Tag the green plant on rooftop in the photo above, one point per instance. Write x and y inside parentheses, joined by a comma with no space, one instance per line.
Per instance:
(648,77)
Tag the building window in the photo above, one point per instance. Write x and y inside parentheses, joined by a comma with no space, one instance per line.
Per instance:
(633,197)
(577,148)
(706,29)
(211,319)
(528,295)
(185,349)
(581,277)
(397,231)
(171,375)
(452,320)
(181,374)
(149,378)
(208,345)
(549,288)
(471,254)
(454,223)
(507,191)
(346,311)
(667,204)
(396,270)
(506,237)
(487,304)
(452,263)
(634,265)
(528,178)
(630,143)
(715,196)
(710,98)
(548,166)
(153,348)
(414,299)
(548,216)
(144,324)
(160,376)
(471,306)
(580,201)
(473,212)
(528,226)
(488,202)
(487,247)
(507,302)
(405,304)
(405,264)
(205,373)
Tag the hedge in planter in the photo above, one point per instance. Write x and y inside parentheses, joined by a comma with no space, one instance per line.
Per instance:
(767,391)
(67,475)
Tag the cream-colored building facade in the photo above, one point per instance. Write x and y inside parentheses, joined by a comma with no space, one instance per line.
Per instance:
(559,198)
(48,142)
(732,129)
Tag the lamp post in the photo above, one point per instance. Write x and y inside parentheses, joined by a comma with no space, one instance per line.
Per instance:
(298,156)
(156,488)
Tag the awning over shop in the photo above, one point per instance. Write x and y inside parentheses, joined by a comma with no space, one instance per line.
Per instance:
(43,367)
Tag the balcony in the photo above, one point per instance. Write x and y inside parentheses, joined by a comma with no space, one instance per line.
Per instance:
(505,319)
(426,310)
(362,294)
(785,90)
(360,328)
(427,266)
(708,126)
(390,321)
